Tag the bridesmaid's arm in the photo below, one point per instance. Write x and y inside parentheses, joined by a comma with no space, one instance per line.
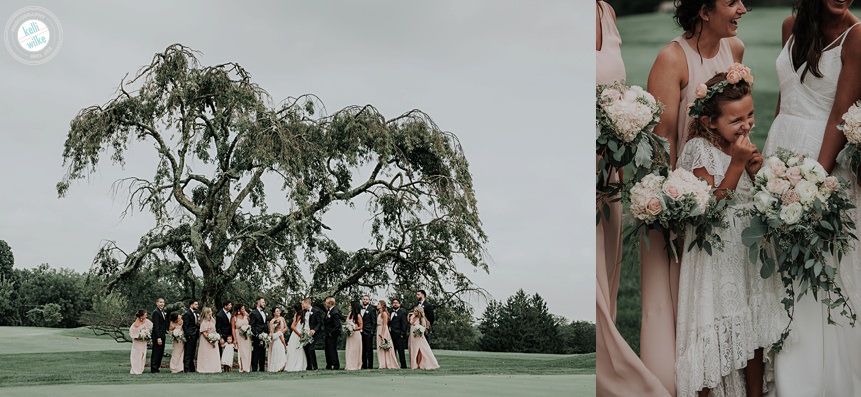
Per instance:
(737,48)
(359,323)
(848,91)
(785,31)
(668,76)
(233,329)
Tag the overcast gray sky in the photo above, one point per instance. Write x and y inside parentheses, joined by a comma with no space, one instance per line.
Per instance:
(512,79)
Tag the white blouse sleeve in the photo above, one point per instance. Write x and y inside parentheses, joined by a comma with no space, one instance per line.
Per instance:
(699,153)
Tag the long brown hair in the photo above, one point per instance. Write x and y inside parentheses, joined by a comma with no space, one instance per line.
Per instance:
(711,108)
(808,36)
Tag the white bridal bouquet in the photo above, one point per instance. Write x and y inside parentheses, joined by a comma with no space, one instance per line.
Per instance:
(177,335)
(145,334)
(213,337)
(803,213)
(386,344)
(264,338)
(626,117)
(245,331)
(305,339)
(679,200)
(349,327)
(850,156)
(419,330)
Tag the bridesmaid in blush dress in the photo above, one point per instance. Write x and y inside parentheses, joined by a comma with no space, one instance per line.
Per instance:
(421,356)
(619,371)
(353,350)
(243,342)
(138,354)
(177,354)
(385,357)
(208,357)
(707,46)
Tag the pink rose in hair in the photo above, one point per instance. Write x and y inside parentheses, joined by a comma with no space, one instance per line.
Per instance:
(701,90)
(733,77)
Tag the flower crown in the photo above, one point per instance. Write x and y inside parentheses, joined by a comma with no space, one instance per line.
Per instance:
(736,74)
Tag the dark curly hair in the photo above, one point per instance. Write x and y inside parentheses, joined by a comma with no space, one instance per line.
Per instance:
(711,108)
(140,313)
(687,16)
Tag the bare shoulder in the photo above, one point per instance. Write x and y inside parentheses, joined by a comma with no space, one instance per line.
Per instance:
(737,47)
(786,28)
(852,44)
(670,64)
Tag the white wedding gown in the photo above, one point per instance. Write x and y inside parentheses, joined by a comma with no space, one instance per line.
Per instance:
(296,360)
(818,359)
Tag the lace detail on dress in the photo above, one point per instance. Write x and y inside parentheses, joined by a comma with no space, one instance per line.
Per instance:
(700,153)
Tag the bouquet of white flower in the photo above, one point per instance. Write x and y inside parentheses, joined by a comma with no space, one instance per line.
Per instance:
(672,203)
(145,334)
(803,213)
(177,335)
(245,331)
(264,339)
(626,117)
(213,337)
(349,327)
(305,339)
(419,330)
(850,156)
(386,344)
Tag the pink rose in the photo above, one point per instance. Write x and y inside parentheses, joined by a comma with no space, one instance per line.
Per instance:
(733,77)
(670,189)
(794,175)
(778,168)
(653,207)
(777,186)
(832,184)
(701,91)
(790,196)
(612,94)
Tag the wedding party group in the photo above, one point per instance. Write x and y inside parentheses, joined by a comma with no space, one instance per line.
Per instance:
(749,263)
(284,340)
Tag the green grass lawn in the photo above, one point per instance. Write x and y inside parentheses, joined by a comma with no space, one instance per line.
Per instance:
(44,361)
(643,36)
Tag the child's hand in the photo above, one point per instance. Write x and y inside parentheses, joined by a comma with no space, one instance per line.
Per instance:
(742,151)
(754,164)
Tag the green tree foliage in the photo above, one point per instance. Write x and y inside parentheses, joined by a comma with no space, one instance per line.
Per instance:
(110,315)
(47,315)
(577,337)
(521,324)
(7,260)
(218,140)
(33,296)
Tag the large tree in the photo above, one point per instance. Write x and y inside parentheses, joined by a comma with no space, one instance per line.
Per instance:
(218,140)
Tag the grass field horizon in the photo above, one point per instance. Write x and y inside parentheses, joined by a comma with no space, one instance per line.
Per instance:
(643,36)
(52,361)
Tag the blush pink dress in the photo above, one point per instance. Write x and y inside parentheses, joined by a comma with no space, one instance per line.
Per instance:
(138,354)
(353,350)
(421,356)
(243,346)
(208,357)
(177,355)
(619,371)
(386,358)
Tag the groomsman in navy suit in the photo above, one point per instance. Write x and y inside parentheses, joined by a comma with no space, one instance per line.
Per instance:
(399,327)
(332,329)
(421,295)
(369,328)
(259,324)
(191,328)
(159,329)
(222,324)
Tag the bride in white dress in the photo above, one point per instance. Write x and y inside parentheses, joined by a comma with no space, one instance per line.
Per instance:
(277,354)
(820,359)
(296,360)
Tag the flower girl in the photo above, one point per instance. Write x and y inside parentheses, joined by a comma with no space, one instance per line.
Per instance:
(727,313)
(227,355)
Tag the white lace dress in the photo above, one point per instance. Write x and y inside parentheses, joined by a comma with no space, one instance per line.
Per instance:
(726,310)
(818,359)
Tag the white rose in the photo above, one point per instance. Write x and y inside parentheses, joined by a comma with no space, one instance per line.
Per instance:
(777,185)
(812,171)
(806,191)
(763,201)
(766,172)
(611,94)
(791,214)
(792,161)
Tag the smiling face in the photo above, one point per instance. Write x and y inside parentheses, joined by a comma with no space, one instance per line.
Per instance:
(736,119)
(836,7)
(366,300)
(159,303)
(723,19)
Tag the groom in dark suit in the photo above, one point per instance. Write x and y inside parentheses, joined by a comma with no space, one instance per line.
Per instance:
(314,320)
(191,328)
(422,297)
(332,329)
(399,327)
(159,328)
(369,328)
(258,325)
(222,324)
